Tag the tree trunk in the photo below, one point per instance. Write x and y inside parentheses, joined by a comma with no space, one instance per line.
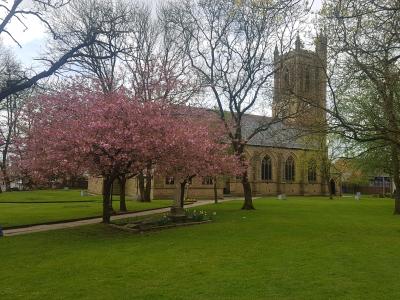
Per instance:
(396,178)
(6,180)
(391,113)
(187,191)
(330,189)
(177,212)
(141,187)
(182,194)
(215,190)
(248,199)
(122,202)
(110,199)
(106,199)
(147,189)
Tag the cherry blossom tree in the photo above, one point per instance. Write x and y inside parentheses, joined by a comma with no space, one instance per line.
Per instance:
(80,130)
(115,136)
(156,70)
(199,150)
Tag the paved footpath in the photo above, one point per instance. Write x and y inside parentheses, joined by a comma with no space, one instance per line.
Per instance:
(39,228)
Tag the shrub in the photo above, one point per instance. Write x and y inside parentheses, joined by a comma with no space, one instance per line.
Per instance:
(198,216)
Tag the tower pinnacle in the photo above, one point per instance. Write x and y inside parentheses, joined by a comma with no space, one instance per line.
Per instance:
(276,52)
(298,42)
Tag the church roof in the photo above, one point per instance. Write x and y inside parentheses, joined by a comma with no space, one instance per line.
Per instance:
(276,134)
(273,132)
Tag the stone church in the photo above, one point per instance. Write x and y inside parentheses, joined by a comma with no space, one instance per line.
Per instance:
(281,160)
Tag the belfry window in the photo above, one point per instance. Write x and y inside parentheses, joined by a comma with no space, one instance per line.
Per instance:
(289,169)
(286,77)
(312,171)
(307,82)
(266,168)
(316,81)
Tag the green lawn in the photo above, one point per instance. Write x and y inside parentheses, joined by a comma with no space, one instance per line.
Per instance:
(62,205)
(47,196)
(295,249)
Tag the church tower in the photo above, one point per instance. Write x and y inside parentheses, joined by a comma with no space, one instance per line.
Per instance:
(300,83)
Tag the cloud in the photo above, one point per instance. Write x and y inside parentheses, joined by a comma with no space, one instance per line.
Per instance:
(28,31)
(29,51)
(33,30)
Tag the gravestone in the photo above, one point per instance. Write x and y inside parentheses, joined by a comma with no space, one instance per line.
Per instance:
(282,197)
(357,196)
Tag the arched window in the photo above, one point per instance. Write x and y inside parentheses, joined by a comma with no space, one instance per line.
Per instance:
(266,168)
(289,169)
(207,180)
(312,171)
(169,180)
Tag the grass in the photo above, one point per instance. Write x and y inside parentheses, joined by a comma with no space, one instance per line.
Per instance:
(46,196)
(61,205)
(295,249)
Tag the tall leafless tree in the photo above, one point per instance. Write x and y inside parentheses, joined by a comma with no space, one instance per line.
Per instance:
(230,46)
(101,59)
(10,111)
(156,69)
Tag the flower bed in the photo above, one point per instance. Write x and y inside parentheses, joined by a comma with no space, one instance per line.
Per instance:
(163,222)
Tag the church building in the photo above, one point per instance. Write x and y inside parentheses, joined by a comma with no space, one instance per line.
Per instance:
(282,161)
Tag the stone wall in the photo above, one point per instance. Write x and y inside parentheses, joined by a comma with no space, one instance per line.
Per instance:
(95,185)
(277,185)
(197,190)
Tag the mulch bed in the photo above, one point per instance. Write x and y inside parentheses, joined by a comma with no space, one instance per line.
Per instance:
(140,226)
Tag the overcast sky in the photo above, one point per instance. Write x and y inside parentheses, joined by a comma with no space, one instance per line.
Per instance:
(33,38)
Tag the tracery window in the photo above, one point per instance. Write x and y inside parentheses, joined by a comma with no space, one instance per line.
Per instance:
(289,169)
(312,171)
(207,180)
(169,180)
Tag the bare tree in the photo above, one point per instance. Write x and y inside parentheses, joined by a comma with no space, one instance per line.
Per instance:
(10,110)
(156,70)
(144,72)
(230,46)
(101,59)
(41,11)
